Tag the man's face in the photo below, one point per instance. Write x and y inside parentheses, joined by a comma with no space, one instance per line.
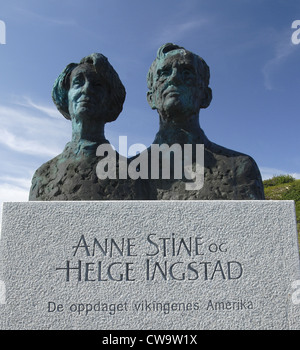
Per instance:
(88,96)
(177,89)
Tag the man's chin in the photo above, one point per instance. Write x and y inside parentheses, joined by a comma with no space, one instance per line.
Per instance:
(176,112)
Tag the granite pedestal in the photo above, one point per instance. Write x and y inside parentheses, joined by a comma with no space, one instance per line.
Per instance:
(134,265)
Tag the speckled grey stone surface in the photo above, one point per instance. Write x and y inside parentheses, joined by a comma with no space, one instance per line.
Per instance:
(149,265)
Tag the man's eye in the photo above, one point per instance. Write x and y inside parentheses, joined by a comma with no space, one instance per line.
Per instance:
(188,73)
(163,73)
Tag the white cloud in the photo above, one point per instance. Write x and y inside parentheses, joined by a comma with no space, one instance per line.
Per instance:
(27,128)
(22,183)
(46,19)
(27,102)
(19,144)
(12,193)
(176,32)
(33,128)
(268,173)
(283,49)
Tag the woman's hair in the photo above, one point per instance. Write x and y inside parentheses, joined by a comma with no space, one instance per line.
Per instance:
(107,74)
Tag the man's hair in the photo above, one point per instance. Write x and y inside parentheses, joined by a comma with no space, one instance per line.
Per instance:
(201,66)
(107,74)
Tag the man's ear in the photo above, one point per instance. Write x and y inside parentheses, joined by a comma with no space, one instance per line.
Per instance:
(150,99)
(207,98)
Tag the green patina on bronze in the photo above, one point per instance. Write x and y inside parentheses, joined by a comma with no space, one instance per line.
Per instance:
(91,94)
(178,83)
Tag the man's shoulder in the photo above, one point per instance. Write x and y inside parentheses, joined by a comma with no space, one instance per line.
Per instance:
(233,157)
(240,168)
(223,151)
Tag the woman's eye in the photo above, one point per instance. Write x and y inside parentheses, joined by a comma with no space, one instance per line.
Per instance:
(76,82)
(97,83)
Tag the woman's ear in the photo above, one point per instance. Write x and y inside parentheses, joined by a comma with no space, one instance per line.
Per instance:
(207,98)
(150,99)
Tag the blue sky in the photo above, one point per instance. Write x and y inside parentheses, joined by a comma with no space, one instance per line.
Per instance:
(255,75)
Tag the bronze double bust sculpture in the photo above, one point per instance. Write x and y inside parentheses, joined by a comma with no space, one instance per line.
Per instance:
(91,94)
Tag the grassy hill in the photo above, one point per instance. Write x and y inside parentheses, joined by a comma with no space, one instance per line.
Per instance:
(284,187)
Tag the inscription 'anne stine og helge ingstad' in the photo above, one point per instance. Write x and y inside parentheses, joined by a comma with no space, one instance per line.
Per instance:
(178,258)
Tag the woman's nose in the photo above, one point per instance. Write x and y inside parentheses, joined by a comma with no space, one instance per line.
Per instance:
(87,87)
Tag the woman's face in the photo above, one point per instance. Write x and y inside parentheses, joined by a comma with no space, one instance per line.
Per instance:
(88,96)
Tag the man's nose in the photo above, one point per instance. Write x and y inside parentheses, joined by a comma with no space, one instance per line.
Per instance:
(174,77)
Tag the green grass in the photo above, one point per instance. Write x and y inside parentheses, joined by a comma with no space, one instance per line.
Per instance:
(284,187)
(278,180)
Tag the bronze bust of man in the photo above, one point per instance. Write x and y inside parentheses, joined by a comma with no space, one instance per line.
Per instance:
(178,83)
